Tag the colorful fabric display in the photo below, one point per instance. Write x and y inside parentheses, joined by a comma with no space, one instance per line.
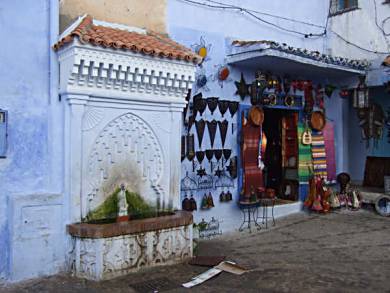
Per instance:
(328,133)
(319,154)
(305,164)
(253,175)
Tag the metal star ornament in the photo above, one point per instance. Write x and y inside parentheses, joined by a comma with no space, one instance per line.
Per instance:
(242,87)
(201,172)
(218,172)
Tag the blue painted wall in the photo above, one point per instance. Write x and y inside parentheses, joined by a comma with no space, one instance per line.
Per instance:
(24,83)
(357,147)
(188,23)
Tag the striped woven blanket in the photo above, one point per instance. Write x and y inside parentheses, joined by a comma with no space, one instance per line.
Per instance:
(319,154)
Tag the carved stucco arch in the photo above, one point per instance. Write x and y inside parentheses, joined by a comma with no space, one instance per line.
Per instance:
(125,151)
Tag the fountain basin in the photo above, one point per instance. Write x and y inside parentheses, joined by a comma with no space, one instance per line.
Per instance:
(105,251)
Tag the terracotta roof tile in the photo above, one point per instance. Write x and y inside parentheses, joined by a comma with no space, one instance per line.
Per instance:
(151,43)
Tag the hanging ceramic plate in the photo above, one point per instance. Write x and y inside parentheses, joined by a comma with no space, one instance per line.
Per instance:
(223,73)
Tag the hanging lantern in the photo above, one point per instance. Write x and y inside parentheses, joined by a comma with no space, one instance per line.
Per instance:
(360,94)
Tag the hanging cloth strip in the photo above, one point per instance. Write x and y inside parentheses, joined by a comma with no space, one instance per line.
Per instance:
(319,154)
(253,175)
(305,164)
(328,133)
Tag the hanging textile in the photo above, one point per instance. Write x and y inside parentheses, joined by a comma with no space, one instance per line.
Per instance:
(328,133)
(319,154)
(305,165)
(253,175)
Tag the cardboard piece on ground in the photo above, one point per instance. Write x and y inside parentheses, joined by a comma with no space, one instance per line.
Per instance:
(231,267)
(226,266)
(202,277)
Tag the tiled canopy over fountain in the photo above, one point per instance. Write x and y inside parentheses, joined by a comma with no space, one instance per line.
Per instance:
(125,90)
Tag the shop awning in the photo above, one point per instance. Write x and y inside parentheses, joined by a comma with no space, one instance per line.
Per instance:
(275,57)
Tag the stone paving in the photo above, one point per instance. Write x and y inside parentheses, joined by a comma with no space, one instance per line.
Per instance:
(344,251)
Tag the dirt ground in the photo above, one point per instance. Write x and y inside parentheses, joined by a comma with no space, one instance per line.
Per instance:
(345,251)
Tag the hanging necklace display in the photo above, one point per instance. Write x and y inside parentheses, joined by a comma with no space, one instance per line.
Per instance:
(212,104)
(223,106)
(223,127)
(209,156)
(212,129)
(233,107)
(200,125)
(187,183)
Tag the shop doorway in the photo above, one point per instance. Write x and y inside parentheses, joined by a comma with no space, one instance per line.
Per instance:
(281,154)
(280,157)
